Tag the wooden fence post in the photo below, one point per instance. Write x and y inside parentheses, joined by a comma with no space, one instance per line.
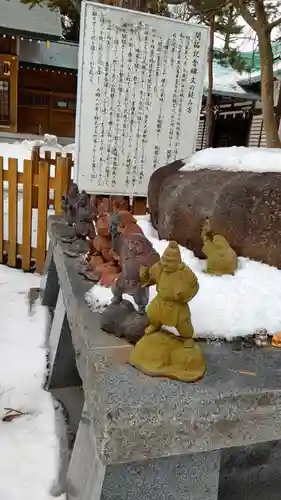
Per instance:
(69,169)
(35,157)
(61,182)
(1,210)
(43,199)
(12,211)
(27,213)
(139,206)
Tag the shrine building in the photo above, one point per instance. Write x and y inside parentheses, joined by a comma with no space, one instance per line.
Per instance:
(37,76)
(38,83)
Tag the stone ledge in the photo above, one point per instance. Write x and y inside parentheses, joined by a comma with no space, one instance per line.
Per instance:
(135,417)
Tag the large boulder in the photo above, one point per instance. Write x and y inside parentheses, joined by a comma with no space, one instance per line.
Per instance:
(245,207)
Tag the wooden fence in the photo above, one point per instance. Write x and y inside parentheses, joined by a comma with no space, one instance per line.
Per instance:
(41,192)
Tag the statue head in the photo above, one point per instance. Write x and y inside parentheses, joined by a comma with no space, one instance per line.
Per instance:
(116,202)
(73,190)
(171,258)
(102,209)
(83,199)
(125,218)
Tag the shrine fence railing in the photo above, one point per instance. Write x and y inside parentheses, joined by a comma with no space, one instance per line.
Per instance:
(29,192)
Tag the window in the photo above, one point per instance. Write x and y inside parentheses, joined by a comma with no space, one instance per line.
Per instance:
(64,103)
(28,98)
(4,102)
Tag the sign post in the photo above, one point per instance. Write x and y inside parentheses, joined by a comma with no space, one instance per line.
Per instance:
(140,84)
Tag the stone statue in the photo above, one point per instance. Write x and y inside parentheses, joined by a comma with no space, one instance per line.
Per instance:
(127,223)
(84,225)
(135,250)
(69,204)
(176,285)
(276,340)
(83,229)
(221,258)
(101,266)
(158,352)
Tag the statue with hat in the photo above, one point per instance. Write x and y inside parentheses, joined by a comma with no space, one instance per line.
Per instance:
(161,353)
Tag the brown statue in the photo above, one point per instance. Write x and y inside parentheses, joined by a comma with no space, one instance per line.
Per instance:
(69,204)
(123,222)
(135,250)
(221,258)
(160,353)
(101,266)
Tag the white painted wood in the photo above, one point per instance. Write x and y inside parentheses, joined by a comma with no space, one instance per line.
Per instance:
(129,125)
(56,329)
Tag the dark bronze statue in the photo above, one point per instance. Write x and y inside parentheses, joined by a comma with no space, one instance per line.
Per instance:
(84,228)
(135,251)
(69,204)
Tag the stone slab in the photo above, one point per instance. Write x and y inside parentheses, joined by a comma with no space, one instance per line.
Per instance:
(251,473)
(135,417)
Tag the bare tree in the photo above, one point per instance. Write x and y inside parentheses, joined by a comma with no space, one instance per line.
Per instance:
(262,16)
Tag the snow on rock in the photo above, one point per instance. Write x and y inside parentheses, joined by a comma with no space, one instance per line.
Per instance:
(235,159)
(29,447)
(225,307)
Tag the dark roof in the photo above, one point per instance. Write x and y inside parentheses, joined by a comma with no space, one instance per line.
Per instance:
(41,22)
(58,55)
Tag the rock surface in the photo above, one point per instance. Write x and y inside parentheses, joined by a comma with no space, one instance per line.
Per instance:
(244,207)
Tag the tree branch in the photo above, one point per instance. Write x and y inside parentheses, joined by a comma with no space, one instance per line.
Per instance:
(274,23)
(240,5)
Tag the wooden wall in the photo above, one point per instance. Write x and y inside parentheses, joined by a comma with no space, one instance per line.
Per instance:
(8,45)
(47,101)
(9,92)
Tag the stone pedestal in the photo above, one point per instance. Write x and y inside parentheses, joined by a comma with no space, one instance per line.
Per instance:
(180,477)
(141,437)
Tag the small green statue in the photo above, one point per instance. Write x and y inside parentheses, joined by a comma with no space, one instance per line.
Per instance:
(221,258)
(158,352)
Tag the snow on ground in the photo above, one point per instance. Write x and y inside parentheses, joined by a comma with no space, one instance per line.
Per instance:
(235,159)
(22,150)
(225,307)
(29,446)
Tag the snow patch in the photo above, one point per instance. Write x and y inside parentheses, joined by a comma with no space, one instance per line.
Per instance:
(29,459)
(225,307)
(236,159)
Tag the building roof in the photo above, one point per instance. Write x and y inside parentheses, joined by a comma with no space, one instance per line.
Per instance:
(58,54)
(255,76)
(65,55)
(38,21)
(226,82)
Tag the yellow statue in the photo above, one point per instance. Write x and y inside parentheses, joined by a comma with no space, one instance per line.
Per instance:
(221,258)
(161,353)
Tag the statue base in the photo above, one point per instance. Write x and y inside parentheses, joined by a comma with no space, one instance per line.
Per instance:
(162,354)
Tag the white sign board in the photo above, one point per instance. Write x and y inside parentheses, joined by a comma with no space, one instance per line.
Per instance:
(140,83)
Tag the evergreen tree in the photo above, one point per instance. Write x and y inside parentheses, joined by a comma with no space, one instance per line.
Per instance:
(70,15)
(221,18)
(70,12)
